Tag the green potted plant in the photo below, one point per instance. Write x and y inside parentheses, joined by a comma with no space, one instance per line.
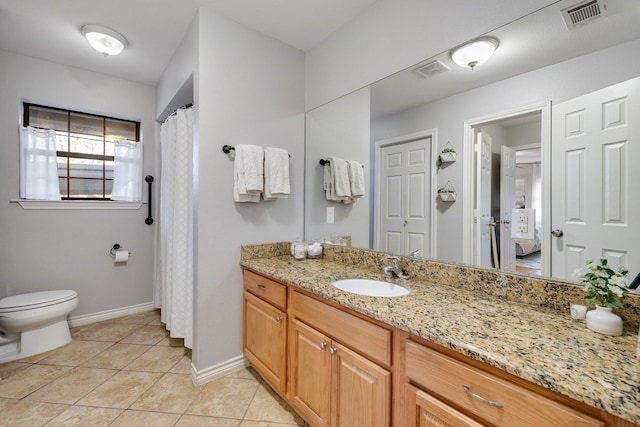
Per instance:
(447,193)
(604,287)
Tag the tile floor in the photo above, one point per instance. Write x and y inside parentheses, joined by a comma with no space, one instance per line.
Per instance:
(124,372)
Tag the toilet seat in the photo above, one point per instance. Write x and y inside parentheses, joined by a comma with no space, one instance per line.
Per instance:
(35,300)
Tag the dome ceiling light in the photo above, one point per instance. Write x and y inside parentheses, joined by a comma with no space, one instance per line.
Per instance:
(475,52)
(104,40)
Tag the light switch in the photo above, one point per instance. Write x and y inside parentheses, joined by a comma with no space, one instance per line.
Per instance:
(330,215)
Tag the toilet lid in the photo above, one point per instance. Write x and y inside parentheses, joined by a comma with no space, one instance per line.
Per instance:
(35,300)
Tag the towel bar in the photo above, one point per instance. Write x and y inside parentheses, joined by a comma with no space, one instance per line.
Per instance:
(327,162)
(227,149)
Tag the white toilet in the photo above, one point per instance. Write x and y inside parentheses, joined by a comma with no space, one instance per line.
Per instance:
(34,323)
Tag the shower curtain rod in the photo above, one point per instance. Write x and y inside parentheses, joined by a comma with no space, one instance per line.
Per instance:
(184,107)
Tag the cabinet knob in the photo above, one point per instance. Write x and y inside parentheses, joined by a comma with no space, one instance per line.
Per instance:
(323,345)
(278,319)
(333,350)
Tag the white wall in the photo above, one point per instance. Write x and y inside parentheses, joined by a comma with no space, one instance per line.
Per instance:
(392,35)
(340,129)
(175,88)
(248,89)
(555,83)
(69,249)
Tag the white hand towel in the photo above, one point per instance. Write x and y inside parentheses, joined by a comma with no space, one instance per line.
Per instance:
(336,181)
(276,174)
(340,170)
(248,173)
(356,179)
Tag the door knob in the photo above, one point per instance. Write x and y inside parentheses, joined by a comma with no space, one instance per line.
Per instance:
(557,233)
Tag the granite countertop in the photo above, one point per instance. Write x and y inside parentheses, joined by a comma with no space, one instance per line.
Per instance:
(534,343)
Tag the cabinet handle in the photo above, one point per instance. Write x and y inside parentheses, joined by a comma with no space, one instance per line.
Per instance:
(278,319)
(482,399)
(262,288)
(323,345)
(333,350)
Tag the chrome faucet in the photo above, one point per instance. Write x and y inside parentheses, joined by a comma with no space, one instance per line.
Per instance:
(395,269)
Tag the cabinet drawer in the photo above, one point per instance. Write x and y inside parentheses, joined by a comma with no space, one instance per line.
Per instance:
(365,337)
(447,378)
(267,289)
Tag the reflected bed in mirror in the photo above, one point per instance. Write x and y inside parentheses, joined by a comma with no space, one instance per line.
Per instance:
(539,67)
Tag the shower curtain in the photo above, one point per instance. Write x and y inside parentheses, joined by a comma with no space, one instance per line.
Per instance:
(173,284)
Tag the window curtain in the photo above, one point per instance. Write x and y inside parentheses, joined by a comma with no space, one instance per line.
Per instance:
(38,165)
(127,172)
(173,284)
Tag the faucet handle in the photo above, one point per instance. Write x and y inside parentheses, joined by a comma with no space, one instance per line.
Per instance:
(396,260)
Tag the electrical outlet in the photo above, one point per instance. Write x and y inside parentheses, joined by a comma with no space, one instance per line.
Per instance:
(331,215)
(523,223)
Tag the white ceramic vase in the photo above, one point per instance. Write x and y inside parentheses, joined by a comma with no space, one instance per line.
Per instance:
(603,321)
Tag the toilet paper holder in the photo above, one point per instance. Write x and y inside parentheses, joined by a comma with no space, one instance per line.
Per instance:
(113,250)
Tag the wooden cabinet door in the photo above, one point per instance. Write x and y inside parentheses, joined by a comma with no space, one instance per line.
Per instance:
(431,412)
(310,371)
(265,340)
(361,390)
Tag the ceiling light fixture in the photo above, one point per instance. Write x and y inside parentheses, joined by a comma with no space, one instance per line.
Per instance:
(104,40)
(475,52)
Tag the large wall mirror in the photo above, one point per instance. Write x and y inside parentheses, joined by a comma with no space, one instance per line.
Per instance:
(536,150)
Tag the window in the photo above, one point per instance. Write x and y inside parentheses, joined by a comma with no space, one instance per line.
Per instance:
(89,151)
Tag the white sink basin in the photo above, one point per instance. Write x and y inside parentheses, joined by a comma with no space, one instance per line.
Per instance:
(372,288)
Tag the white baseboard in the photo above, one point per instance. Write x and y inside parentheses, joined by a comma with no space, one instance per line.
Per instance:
(86,319)
(217,371)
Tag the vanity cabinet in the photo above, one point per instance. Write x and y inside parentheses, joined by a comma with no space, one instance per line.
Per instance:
(446,391)
(332,381)
(265,328)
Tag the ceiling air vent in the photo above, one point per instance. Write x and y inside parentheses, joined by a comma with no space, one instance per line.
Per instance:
(431,69)
(582,13)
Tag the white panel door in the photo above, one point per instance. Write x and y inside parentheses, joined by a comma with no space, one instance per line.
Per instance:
(405,214)
(507,203)
(483,218)
(596,179)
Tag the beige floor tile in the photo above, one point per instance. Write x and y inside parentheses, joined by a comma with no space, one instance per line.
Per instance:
(72,386)
(183,366)
(117,356)
(149,334)
(172,393)
(85,416)
(121,390)
(143,318)
(75,353)
(26,381)
(6,369)
(264,424)
(34,359)
(268,406)
(225,397)
(157,359)
(30,414)
(247,373)
(115,332)
(90,331)
(145,419)
(5,403)
(198,421)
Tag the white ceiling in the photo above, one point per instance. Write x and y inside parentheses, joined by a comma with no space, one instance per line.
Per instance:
(50,29)
(534,41)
